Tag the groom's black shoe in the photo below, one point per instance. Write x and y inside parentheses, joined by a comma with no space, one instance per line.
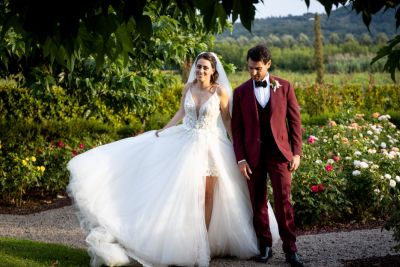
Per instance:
(293,259)
(265,254)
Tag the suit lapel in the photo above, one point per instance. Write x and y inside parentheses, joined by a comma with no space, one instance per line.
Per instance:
(272,96)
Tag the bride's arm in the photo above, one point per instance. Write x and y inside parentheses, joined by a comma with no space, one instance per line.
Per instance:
(224,106)
(179,114)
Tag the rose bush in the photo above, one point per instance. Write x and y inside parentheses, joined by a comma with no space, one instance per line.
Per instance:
(348,170)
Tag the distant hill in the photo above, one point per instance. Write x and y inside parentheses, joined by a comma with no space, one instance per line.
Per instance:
(341,21)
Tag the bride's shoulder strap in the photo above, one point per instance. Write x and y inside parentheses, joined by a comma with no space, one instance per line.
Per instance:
(220,88)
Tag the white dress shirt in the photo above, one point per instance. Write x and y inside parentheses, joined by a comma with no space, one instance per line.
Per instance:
(262,93)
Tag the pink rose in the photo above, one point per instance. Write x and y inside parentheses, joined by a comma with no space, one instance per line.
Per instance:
(314,188)
(321,188)
(329,168)
(60,144)
(336,158)
(312,139)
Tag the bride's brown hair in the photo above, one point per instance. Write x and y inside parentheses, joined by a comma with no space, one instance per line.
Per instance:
(210,57)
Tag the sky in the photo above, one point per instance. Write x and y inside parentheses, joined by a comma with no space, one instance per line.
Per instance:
(276,8)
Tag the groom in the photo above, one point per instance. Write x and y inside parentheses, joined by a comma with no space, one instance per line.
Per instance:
(267,141)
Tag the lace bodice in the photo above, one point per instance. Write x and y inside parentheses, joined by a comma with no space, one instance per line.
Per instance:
(207,116)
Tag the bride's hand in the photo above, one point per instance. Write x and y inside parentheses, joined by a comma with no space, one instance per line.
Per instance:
(157,133)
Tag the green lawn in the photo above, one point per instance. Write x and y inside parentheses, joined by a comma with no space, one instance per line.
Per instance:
(18,253)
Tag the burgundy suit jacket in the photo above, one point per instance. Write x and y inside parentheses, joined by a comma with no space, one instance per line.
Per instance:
(284,120)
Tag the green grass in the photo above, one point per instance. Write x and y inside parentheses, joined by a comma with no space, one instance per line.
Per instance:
(18,253)
(297,78)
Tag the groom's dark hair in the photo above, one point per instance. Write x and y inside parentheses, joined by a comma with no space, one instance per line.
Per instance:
(259,53)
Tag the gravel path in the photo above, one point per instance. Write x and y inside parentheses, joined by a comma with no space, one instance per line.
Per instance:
(61,226)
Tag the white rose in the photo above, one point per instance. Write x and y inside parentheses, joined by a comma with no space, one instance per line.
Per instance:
(397,178)
(356,173)
(392,183)
(383,145)
(357,163)
(318,161)
(370,132)
(390,156)
(357,153)
(388,176)
(363,165)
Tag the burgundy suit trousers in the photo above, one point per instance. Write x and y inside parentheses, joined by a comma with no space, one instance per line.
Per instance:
(277,169)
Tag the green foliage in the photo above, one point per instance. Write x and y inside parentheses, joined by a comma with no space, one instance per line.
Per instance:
(19,253)
(36,161)
(108,29)
(321,99)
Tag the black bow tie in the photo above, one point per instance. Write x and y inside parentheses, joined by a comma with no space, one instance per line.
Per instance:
(260,83)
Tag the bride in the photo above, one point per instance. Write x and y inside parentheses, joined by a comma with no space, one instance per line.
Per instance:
(173,196)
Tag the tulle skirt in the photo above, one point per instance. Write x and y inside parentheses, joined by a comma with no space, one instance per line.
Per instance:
(142,198)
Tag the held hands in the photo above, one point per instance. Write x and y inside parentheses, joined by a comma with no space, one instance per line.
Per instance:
(245,169)
(295,163)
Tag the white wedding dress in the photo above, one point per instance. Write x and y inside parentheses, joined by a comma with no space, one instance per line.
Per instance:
(142,198)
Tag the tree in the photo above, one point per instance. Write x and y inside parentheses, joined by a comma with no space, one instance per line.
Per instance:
(334,38)
(242,40)
(273,39)
(366,39)
(318,53)
(381,38)
(349,38)
(104,28)
(303,39)
(288,40)
(77,27)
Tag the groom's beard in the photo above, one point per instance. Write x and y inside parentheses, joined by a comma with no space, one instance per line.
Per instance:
(258,77)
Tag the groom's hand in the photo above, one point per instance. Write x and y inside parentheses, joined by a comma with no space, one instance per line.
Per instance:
(245,169)
(295,163)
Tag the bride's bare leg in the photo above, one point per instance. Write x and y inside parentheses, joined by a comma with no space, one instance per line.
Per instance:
(210,184)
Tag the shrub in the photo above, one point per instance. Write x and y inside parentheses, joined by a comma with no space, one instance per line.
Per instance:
(347,171)
(36,160)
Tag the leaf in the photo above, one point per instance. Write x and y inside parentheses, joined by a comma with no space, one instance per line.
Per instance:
(393,54)
(144,25)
